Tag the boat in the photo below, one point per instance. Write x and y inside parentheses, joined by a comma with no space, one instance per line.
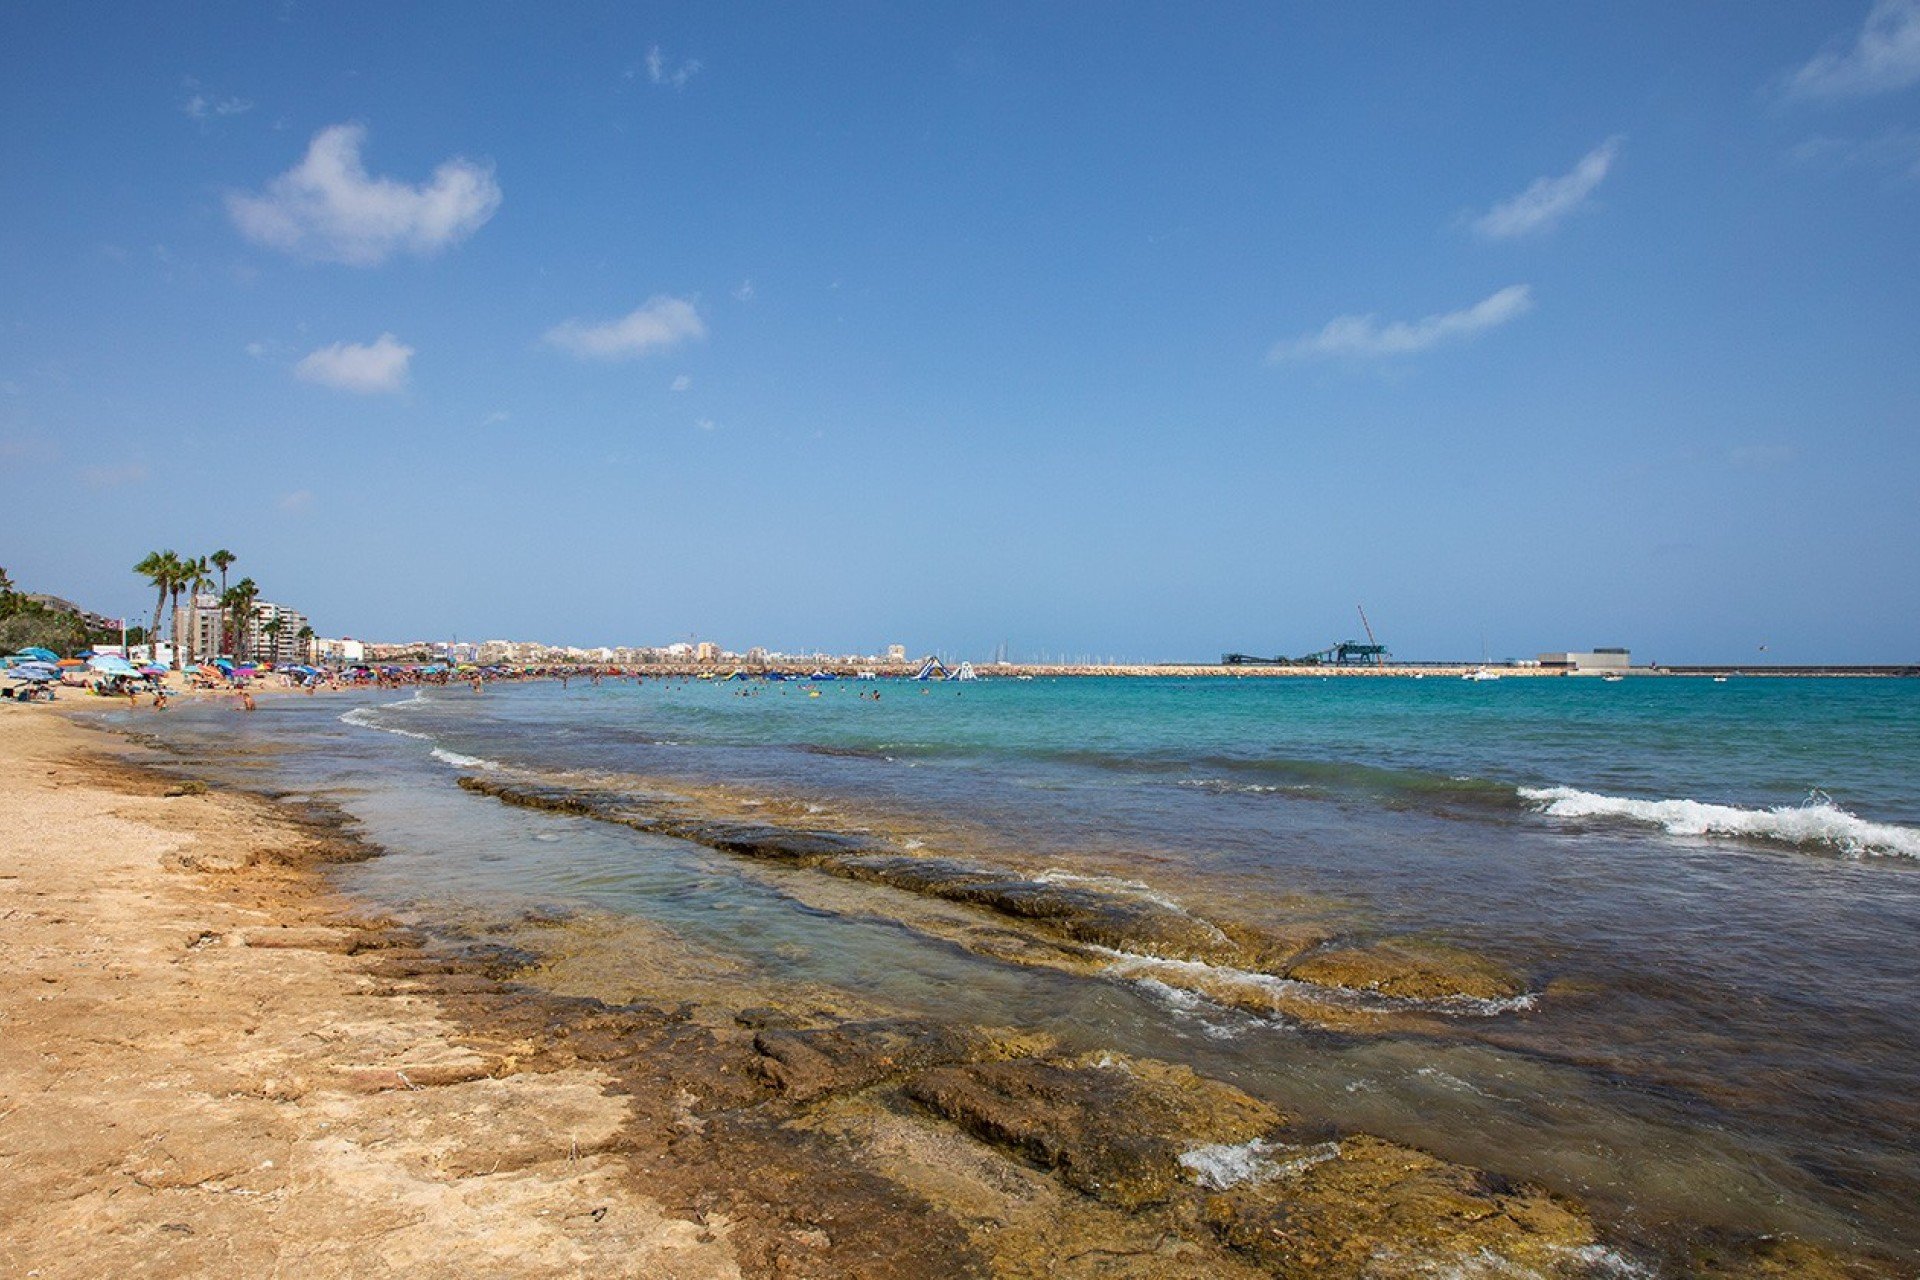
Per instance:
(1481,674)
(1719,679)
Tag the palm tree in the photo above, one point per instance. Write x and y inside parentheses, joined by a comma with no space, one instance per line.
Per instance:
(222,560)
(272,630)
(197,580)
(306,643)
(160,568)
(239,601)
(186,577)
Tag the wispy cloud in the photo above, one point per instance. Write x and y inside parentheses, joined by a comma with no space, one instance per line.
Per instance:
(203,104)
(329,208)
(495,418)
(297,502)
(367,369)
(201,107)
(661,323)
(661,72)
(1364,337)
(682,383)
(1895,148)
(1885,55)
(745,292)
(706,424)
(113,477)
(1547,200)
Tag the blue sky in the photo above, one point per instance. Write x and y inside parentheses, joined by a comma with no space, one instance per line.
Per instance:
(1112,330)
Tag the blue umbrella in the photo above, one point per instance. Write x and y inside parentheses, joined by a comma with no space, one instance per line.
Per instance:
(34,675)
(45,655)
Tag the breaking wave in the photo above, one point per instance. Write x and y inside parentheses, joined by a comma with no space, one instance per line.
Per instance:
(364,717)
(459,761)
(1818,822)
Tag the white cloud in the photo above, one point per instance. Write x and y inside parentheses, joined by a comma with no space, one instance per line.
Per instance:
(1547,200)
(495,418)
(705,424)
(1363,336)
(296,502)
(661,323)
(201,107)
(350,366)
(658,72)
(682,383)
(1895,148)
(1885,56)
(328,207)
(745,292)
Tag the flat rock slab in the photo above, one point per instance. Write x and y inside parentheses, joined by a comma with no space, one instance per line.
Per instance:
(1112,1127)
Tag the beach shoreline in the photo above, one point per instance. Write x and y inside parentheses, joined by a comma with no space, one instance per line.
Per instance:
(214,1060)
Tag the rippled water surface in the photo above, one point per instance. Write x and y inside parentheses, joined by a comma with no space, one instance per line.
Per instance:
(1712,890)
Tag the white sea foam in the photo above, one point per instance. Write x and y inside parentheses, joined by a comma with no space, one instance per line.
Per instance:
(1177,973)
(365,718)
(1222,1165)
(459,761)
(1111,884)
(1818,822)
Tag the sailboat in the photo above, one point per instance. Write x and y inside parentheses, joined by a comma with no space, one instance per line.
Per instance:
(1482,673)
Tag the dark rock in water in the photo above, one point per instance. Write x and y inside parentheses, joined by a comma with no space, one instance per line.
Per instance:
(1119,921)
(494,960)
(1779,1258)
(1113,1127)
(778,844)
(851,1055)
(937,877)
(1410,969)
(533,795)
(1374,1209)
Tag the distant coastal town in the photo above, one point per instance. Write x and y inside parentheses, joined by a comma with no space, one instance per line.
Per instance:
(202,616)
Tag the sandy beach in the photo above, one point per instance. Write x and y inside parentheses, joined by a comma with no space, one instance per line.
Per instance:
(199,1075)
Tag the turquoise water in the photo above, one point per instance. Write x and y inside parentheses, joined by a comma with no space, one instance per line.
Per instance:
(1712,890)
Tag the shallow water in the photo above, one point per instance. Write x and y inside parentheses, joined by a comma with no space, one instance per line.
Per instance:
(1712,889)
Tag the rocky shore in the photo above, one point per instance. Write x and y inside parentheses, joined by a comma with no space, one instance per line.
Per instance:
(211,1063)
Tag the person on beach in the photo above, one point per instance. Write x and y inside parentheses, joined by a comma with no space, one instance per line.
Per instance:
(160,696)
(246,700)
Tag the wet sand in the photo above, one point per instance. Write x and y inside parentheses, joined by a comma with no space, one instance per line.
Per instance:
(212,1062)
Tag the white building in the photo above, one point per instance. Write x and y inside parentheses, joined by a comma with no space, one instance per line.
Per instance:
(273,634)
(345,651)
(1597,662)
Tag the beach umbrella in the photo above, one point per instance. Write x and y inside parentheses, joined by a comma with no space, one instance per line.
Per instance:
(70,663)
(109,665)
(153,671)
(34,675)
(35,651)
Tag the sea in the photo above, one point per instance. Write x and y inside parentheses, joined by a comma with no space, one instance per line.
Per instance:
(1709,890)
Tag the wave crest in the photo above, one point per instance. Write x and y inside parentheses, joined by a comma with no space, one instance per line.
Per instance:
(1818,822)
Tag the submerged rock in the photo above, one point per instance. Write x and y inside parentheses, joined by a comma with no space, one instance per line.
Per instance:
(1378,1210)
(1115,1128)
(1409,969)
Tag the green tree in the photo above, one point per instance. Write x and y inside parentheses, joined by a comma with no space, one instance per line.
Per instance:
(272,631)
(239,601)
(161,568)
(223,560)
(196,580)
(306,644)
